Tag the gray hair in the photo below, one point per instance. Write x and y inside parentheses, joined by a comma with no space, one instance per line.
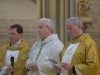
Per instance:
(49,23)
(75,21)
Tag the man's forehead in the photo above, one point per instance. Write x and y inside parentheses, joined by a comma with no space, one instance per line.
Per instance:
(41,23)
(13,29)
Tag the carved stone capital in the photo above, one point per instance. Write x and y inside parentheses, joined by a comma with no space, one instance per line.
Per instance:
(83,12)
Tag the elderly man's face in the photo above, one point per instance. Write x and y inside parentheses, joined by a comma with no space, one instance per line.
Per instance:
(73,30)
(43,30)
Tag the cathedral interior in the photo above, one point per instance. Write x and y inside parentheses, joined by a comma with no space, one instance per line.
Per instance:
(28,12)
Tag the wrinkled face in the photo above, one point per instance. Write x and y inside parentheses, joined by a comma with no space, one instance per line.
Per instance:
(14,36)
(43,30)
(73,30)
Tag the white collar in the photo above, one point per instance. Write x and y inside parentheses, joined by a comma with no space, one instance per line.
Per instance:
(17,44)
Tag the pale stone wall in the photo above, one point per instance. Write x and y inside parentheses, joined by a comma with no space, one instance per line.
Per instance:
(29,27)
(23,12)
(94,28)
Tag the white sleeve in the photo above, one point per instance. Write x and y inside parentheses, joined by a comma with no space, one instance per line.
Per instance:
(3,70)
(78,72)
(29,55)
(44,67)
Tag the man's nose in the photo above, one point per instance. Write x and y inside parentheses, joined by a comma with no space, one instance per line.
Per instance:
(38,29)
(68,30)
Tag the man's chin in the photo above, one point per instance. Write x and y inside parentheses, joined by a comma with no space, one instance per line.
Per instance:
(71,37)
(12,41)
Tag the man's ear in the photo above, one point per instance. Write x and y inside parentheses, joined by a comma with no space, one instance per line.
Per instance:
(79,27)
(49,29)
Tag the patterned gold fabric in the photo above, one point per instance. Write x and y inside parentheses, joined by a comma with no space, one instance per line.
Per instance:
(86,58)
(19,66)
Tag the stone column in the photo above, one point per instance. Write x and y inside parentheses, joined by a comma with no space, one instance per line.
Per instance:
(58,11)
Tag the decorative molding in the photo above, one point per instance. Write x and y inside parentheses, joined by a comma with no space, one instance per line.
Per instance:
(83,8)
(29,28)
(83,12)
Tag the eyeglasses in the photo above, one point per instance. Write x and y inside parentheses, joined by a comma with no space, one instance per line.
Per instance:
(11,34)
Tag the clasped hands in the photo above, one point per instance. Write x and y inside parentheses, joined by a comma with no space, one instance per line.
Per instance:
(32,66)
(63,65)
(10,69)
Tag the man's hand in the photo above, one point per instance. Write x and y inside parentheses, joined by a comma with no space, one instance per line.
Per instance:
(66,66)
(10,69)
(57,69)
(32,66)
